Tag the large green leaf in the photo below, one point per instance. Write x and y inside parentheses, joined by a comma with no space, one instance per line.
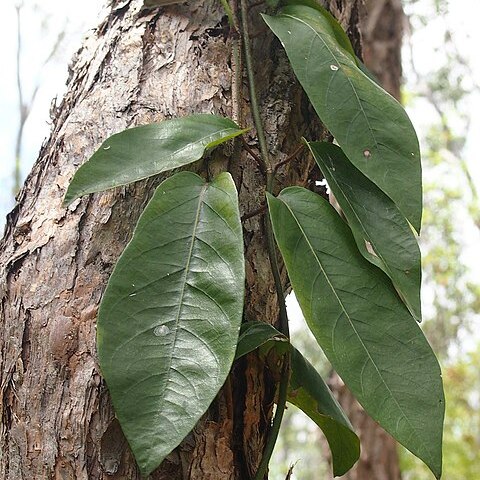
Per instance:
(361,324)
(382,234)
(371,126)
(141,152)
(169,319)
(309,393)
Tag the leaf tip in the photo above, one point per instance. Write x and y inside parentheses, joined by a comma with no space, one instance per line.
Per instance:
(270,199)
(146,469)
(436,470)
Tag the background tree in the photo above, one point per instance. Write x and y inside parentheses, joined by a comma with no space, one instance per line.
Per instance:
(40,38)
(26,102)
(448,89)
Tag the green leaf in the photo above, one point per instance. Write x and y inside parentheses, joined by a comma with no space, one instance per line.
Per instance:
(141,152)
(309,393)
(382,234)
(169,320)
(255,334)
(371,126)
(361,324)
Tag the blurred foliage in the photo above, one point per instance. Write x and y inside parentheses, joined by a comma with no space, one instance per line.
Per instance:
(451,207)
(451,213)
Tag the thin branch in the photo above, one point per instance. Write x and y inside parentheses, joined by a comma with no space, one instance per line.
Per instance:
(25,106)
(290,471)
(229,12)
(257,120)
(254,155)
(289,158)
(236,75)
(253,213)
(237,67)
(23,111)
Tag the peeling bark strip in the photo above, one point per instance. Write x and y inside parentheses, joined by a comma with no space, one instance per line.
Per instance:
(137,67)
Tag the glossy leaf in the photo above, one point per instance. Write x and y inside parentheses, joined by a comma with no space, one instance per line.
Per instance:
(382,234)
(141,152)
(361,324)
(169,320)
(371,126)
(255,334)
(309,393)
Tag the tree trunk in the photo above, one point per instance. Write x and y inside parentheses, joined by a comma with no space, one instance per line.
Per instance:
(137,67)
(381,26)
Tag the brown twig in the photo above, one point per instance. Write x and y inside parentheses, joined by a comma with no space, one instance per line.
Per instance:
(289,158)
(290,471)
(254,155)
(253,213)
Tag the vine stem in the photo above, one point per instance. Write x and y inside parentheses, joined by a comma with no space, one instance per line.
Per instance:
(257,120)
(229,12)
(283,326)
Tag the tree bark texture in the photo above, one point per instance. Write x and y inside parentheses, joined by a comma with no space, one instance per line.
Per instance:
(137,67)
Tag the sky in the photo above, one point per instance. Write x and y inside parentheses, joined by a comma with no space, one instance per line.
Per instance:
(40,26)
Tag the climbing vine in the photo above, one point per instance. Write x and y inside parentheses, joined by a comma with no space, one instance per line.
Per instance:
(170,321)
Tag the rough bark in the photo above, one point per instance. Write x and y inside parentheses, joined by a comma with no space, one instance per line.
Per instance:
(381,26)
(56,418)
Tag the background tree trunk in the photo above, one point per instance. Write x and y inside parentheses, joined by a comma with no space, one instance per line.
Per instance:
(137,67)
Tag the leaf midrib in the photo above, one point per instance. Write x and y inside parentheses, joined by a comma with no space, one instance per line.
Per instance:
(350,321)
(182,293)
